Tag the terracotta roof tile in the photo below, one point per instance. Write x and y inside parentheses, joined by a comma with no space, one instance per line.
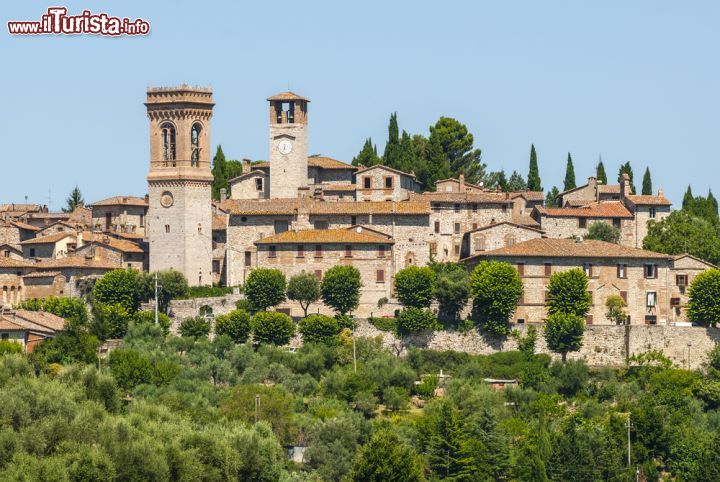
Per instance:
(463,197)
(610,209)
(385,168)
(75,262)
(6,324)
(14,263)
(119,244)
(256,207)
(42,274)
(569,248)
(121,201)
(219,223)
(25,226)
(610,188)
(517,225)
(328,163)
(649,200)
(339,187)
(525,220)
(287,96)
(52,238)
(349,236)
(529,195)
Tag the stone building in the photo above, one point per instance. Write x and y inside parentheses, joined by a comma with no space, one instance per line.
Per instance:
(382,183)
(179,224)
(121,252)
(123,214)
(288,145)
(575,222)
(29,328)
(685,269)
(56,245)
(496,236)
(642,278)
(591,192)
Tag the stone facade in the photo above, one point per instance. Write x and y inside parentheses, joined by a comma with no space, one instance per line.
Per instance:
(125,214)
(250,185)
(496,236)
(381,183)
(685,269)
(288,145)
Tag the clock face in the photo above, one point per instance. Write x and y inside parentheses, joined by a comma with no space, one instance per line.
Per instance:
(285,146)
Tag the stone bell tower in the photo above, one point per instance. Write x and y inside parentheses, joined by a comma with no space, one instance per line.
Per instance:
(288,145)
(180,182)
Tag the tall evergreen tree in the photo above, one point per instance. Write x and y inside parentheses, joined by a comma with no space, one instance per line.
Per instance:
(219,172)
(460,157)
(687,198)
(448,446)
(367,156)
(434,165)
(74,200)
(647,189)
(407,161)
(569,182)
(533,179)
(391,157)
(600,174)
(516,182)
(551,199)
(711,199)
(627,169)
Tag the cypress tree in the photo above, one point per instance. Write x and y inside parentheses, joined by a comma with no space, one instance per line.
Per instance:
(600,173)
(627,169)
(391,157)
(687,198)
(407,153)
(367,156)
(647,189)
(533,179)
(219,172)
(569,175)
(713,202)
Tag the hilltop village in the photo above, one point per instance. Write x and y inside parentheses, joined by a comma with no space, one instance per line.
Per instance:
(309,213)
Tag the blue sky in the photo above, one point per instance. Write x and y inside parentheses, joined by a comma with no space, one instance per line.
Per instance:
(633,81)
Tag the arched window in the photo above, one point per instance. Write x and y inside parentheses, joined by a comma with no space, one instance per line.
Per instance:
(168,137)
(195,145)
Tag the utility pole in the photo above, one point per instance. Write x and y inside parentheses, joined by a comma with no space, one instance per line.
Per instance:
(354,353)
(156,298)
(629,426)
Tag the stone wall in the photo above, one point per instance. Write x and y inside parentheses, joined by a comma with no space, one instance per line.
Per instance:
(182,309)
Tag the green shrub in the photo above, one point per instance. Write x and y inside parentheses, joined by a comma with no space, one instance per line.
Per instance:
(571,377)
(109,321)
(345,321)
(384,323)
(341,288)
(72,309)
(265,288)
(236,325)
(704,302)
(496,288)
(416,319)
(426,388)
(272,328)
(415,286)
(207,292)
(318,328)
(148,317)
(8,347)
(195,327)
(119,287)
(395,398)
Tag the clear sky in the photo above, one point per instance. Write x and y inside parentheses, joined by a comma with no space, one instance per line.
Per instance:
(634,81)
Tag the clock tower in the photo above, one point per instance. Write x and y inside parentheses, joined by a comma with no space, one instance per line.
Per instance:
(288,145)
(180,182)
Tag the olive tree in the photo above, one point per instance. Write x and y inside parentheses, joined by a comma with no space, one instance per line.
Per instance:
(304,288)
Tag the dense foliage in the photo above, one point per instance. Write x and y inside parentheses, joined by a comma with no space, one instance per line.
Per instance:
(304,288)
(265,288)
(341,288)
(683,232)
(603,231)
(568,293)
(564,332)
(273,328)
(318,328)
(236,325)
(414,319)
(415,286)
(704,298)
(496,288)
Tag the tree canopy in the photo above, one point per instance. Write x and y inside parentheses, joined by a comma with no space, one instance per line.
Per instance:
(74,201)
(496,288)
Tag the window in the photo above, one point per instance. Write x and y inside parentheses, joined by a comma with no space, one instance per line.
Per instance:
(6,253)
(108,220)
(32,252)
(457,228)
(433,248)
(281,226)
(456,250)
(622,271)
(474,207)
(216,266)
(582,222)
(650,320)
(142,220)
(381,251)
(587,268)
(318,274)
(389,182)
(6,336)
(437,227)
(548,269)
(300,251)
(651,299)
(199,228)
(616,222)
(623,295)
(504,208)
(168,138)
(681,279)
(652,212)
(272,251)
(480,243)
(348,251)
(195,145)
(456,208)
(380,276)
(509,241)
(258,183)
(318,250)
(321,224)
(167,228)
(248,258)
(521,269)
(589,319)
(650,271)
(353,220)
(366,183)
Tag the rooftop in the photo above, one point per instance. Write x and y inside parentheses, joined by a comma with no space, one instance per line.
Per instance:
(121,201)
(282,96)
(322,162)
(570,248)
(658,200)
(52,238)
(464,197)
(122,245)
(75,262)
(610,209)
(357,235)
(259,207)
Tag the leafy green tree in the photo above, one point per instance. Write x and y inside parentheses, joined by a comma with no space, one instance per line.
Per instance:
(627,169)
(272,328)
(569,182)
(148,317)
(72,345)
(236,325)
(600,173)
(496,288)
(319,328)
(368,156)
(118,287)
(615,306)
(415,286)
(498,179)
(434,165)
(526,344)
(233,169)
(516,182)
(341,288)
(72,309)
(687,197)
(385,457)
(647,189)
(195,327)
(564,333)
(682,233)
(414,319)
(275,408)
(456,144)
(603,231)
(219,172)
(704,298)
(110,320)
(304,288)
(533,179)
(551,198)
(75,200)
(130,368)
(452,290)
(391,156)
(568,293)
(172,285)
(702,207)
(265,288)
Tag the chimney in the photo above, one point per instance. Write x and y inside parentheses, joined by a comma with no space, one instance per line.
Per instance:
(462,183)
(245,166)
(661,192)
(625,185)
(223,194)
(147,198)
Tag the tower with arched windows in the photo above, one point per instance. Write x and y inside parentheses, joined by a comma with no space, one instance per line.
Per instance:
(179,227)
(288,145)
